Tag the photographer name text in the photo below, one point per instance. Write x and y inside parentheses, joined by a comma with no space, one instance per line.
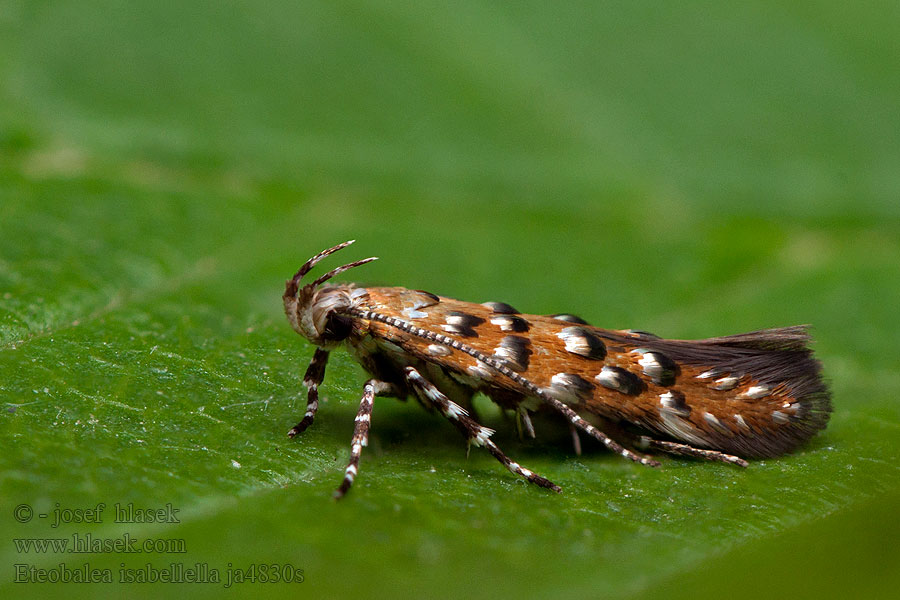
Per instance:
(120,513)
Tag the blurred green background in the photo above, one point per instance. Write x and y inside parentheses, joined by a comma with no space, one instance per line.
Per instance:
(690,170)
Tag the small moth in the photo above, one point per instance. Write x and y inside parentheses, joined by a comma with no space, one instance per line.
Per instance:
(723,399)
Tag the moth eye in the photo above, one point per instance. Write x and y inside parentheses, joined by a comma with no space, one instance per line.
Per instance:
(337,327)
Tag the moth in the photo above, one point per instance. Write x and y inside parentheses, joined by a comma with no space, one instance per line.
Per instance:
(724,399)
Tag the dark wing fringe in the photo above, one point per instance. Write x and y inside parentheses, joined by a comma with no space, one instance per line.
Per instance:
(785,338)
(774,357)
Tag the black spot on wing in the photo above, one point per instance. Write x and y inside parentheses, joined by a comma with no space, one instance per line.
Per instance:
(501,308)
(460,323)
(570,318)
(510,323)
(431,296)
(569,385)
(582,342)
(673,401)
(514,350)
(620,380)
(657,366)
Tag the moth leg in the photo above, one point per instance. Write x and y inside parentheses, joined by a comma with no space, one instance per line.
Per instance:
(524,420)
(315,373)
(686,450)
(576,440)
(474,432)
(372,388)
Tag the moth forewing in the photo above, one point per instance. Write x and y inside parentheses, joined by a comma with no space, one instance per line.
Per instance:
(751,395)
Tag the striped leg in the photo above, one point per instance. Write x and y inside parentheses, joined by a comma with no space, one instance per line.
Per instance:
(315,373)
(372,388)
(474,432)
(685,450)
(592,431)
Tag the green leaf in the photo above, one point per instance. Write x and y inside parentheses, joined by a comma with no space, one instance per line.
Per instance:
(691,171)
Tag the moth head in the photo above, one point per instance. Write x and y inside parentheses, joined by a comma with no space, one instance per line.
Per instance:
(316,311)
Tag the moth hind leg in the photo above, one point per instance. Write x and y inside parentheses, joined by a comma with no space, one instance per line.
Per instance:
(680,449)
(474,432)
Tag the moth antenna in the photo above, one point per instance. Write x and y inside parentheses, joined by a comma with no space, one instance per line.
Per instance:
(294,282)
(338,270)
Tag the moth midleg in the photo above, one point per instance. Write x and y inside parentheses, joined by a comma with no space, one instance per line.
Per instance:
(372,388)
(691,451)
(474,432)
(576,440)
(315,373)
(523,423)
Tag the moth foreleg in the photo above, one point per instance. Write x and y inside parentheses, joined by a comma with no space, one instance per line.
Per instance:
(474,432)
(686,450)
(315,373)
(372,388)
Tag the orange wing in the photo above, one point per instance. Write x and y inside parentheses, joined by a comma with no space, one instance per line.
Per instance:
(756,394)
